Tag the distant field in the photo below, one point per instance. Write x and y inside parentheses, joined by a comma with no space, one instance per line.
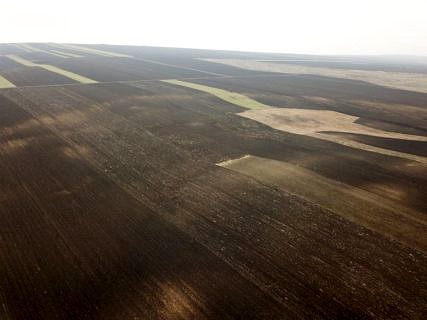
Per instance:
(29,48)
(313,123)
(357,63)
(91,50)
(398,80)
(224,193)
(53,69)
(67,54)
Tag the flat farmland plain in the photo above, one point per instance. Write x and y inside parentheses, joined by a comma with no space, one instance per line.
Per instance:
(136,198)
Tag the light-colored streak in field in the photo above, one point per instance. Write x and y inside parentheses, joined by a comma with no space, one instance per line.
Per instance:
(399,80)
(358,205)
(54,54)
(65,73)
(67,54)
(90,50)
(28,48)
(231,97)
(4,83)
(312,123)
(24,47)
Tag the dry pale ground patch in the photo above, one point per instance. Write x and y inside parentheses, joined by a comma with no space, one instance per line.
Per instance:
(4,83)
(316,123)
(319,124)
(399,80)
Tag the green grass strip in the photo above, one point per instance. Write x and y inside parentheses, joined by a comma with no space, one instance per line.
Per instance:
(229,96)
(4,83)
(91,50)
(65,73)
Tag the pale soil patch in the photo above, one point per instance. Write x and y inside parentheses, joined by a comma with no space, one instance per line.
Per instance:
(309,121)
(65,73)
(4,83)
(400,80)
(314,123)
(363,207)
(15,144)
(77,152)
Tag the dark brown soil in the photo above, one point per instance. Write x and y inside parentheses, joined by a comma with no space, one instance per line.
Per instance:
(407,146)
(30,76)
(113,206)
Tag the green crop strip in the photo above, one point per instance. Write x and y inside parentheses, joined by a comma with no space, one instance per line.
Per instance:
(65,73)
(229,96)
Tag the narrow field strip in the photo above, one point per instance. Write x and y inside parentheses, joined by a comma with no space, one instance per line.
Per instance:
(29,48)
(90,50)
(231,97)
(55,54)
(4,83)
(66,54)
(367,147)
(65,73)
(23,47)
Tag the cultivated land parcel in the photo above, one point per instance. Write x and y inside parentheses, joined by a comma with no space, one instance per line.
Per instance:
(156,183)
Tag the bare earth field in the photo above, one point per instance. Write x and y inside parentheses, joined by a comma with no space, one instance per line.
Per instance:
(172,187)
(399,80)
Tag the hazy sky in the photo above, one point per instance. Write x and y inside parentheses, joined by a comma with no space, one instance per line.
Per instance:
(300,26)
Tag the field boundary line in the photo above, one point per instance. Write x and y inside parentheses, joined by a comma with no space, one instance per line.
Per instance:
(180,67)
